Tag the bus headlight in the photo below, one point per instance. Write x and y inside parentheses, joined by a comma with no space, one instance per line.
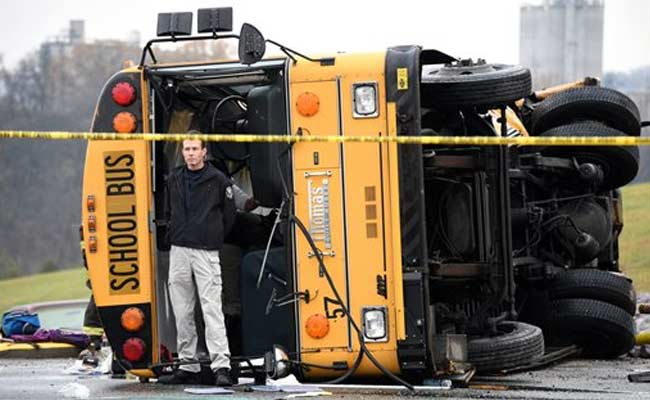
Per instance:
(365,100)
(375,324)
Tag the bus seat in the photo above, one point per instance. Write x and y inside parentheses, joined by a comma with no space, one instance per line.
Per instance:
(267,116)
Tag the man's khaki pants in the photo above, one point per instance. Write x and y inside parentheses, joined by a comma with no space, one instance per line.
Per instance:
(192,270)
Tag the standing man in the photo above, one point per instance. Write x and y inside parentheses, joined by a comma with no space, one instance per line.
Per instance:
(200,211)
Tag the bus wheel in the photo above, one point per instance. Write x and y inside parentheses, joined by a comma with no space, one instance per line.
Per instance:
(595,284)
(608,106)
(517,344)
(468,84)
(620,164)
(601,329)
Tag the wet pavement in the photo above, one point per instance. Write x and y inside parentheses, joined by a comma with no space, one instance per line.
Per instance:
(572,379)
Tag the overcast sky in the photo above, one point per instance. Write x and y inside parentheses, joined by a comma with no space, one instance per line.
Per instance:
(464,28)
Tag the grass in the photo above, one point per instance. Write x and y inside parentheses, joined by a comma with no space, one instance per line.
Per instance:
(60,285)
(634,243)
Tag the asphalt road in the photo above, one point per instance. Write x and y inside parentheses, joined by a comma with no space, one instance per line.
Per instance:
(573,379)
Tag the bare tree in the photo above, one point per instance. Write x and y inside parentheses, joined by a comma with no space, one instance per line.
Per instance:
(57,88)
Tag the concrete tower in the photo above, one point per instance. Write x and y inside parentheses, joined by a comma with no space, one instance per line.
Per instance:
(77,31)
(562,40)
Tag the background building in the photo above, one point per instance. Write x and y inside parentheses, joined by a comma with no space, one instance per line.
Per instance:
(562,40)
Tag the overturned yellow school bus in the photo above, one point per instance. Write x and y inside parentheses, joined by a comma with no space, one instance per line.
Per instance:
(367,258)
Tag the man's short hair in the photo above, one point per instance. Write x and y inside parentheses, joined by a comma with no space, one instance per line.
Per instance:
(195,132)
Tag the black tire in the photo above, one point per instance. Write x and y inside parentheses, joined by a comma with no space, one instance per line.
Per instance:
(595,284)
(485,85)
(620,164)
(518,344)
(596,103)
(601,329)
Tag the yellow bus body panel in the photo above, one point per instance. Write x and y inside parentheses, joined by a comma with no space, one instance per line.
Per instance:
(357,243)
(108,169)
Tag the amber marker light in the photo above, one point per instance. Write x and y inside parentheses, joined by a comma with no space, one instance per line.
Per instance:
(90,203)
(124,122)
(132,319)
(308,104)
(92,244)
(92,223)
(317,326)
(123,93)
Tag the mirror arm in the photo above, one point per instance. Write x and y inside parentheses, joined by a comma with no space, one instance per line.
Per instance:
(287,50)
(288,54)
(153,57)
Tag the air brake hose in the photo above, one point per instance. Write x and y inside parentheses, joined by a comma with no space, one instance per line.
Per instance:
(362,344)
(357,361)
(319,257)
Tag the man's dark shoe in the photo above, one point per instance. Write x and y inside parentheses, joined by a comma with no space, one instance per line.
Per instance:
(117,371)
(180,377)
(222,377)
(89,358)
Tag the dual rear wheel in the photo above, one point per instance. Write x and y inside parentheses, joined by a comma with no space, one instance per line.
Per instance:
(591,308)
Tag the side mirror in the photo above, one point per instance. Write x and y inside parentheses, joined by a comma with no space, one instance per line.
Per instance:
(251,44)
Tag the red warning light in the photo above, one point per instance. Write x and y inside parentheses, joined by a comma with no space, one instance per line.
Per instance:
(123,94)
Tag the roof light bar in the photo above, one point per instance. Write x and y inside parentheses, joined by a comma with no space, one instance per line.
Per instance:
(213,20)
(175,24)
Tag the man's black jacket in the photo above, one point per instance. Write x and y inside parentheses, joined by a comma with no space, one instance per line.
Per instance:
(211,210)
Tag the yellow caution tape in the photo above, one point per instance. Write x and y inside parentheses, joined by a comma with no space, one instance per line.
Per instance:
(93,331)
(642,338)
(250,138)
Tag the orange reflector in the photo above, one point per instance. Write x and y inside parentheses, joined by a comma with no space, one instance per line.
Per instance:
(132,319)
(124,122)
(123,93)
(308,104)
(92,223)
(92,244)
(317,326)
(133,349)
(90,203)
